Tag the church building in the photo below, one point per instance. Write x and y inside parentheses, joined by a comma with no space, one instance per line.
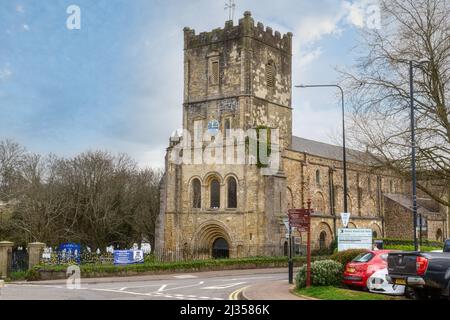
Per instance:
(240,77)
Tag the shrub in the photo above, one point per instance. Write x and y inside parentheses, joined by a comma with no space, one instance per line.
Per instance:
(346,256)
(403,242)
(33,275)
(323,273)
(17,275)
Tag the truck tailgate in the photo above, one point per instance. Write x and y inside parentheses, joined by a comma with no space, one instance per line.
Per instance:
(402,263)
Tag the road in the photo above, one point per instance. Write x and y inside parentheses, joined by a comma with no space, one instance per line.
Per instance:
(217,285)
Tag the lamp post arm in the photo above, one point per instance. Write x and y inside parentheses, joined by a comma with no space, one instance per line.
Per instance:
(344,153)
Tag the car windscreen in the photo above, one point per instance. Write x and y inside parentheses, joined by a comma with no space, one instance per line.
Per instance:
(364,257)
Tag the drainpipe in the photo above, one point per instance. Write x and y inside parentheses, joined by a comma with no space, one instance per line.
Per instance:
(331,198)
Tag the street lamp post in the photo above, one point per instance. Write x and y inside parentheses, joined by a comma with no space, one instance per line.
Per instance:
(413,153)
(344,154)
(413,150)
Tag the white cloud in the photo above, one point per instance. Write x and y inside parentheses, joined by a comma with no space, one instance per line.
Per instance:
(5,73)
(355,15)
(20,8)
(309,56)
(26,27)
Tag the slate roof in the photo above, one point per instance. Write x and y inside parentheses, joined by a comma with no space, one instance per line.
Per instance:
(329,151)
(406,202)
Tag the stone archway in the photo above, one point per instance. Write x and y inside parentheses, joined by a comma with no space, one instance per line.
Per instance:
(376,231)
(213,240)
(324,236)
(439,235)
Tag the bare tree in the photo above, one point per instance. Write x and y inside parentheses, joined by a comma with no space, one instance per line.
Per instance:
(95,198)
(379,92)
(11,158)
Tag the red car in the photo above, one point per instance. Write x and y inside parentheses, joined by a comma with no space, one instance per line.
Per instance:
(363,266)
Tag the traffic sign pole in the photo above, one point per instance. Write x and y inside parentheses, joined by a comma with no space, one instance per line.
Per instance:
(308,250)
(291,263)
(301,219)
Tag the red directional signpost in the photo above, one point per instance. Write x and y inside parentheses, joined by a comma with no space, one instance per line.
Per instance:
(301,219)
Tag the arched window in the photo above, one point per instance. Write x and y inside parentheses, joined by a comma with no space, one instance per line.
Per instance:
(270,74)
(317,178)
(374,234)
(215,194)
(196,194)
(323,240)
(232,193)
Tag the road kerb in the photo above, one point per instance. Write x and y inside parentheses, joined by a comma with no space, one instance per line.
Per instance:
(238,294)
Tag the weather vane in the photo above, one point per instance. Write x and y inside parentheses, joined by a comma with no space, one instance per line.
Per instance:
(230,6)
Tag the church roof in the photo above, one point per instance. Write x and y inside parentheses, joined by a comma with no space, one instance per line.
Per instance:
(328,151)
(424,206)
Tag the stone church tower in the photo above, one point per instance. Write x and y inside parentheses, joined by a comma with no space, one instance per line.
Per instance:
(238,77)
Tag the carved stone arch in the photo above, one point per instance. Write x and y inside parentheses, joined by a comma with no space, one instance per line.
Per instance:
(213,183)
(208,232)
(324,235)
(376,230)
(318,202)
(289,198)
(372,207)
(231,191)
(195,196)
(211,175)
(439,235)
(350,204)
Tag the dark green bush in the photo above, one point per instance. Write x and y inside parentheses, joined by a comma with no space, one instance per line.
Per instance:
(17,275)
(403,242)
(33,275)
(346,256)
(323,273)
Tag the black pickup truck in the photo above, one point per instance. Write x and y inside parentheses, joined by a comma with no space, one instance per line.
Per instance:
(426,275)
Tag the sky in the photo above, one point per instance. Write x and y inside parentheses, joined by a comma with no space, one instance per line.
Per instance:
(116,83)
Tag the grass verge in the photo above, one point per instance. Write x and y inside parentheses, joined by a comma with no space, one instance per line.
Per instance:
(333,293)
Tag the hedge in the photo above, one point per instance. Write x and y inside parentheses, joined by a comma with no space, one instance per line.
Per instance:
(403,242)
(346,256)
(195,265)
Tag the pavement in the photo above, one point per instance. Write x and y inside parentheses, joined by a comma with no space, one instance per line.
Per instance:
(214,285)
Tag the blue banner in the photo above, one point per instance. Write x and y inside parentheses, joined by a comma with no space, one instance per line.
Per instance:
(69,252)
(128,256)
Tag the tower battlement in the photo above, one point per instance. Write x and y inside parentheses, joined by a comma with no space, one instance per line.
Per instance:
(245,28)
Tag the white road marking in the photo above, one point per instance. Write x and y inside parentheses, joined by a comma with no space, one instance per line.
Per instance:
(185,276)
(224,287)
(240,279)
(189,286)
(162,287)
(135,287)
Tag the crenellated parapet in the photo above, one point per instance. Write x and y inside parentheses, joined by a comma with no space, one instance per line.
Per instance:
(245,28)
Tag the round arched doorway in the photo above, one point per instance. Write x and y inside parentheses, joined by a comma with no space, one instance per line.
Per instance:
(322,240)
(220,249)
